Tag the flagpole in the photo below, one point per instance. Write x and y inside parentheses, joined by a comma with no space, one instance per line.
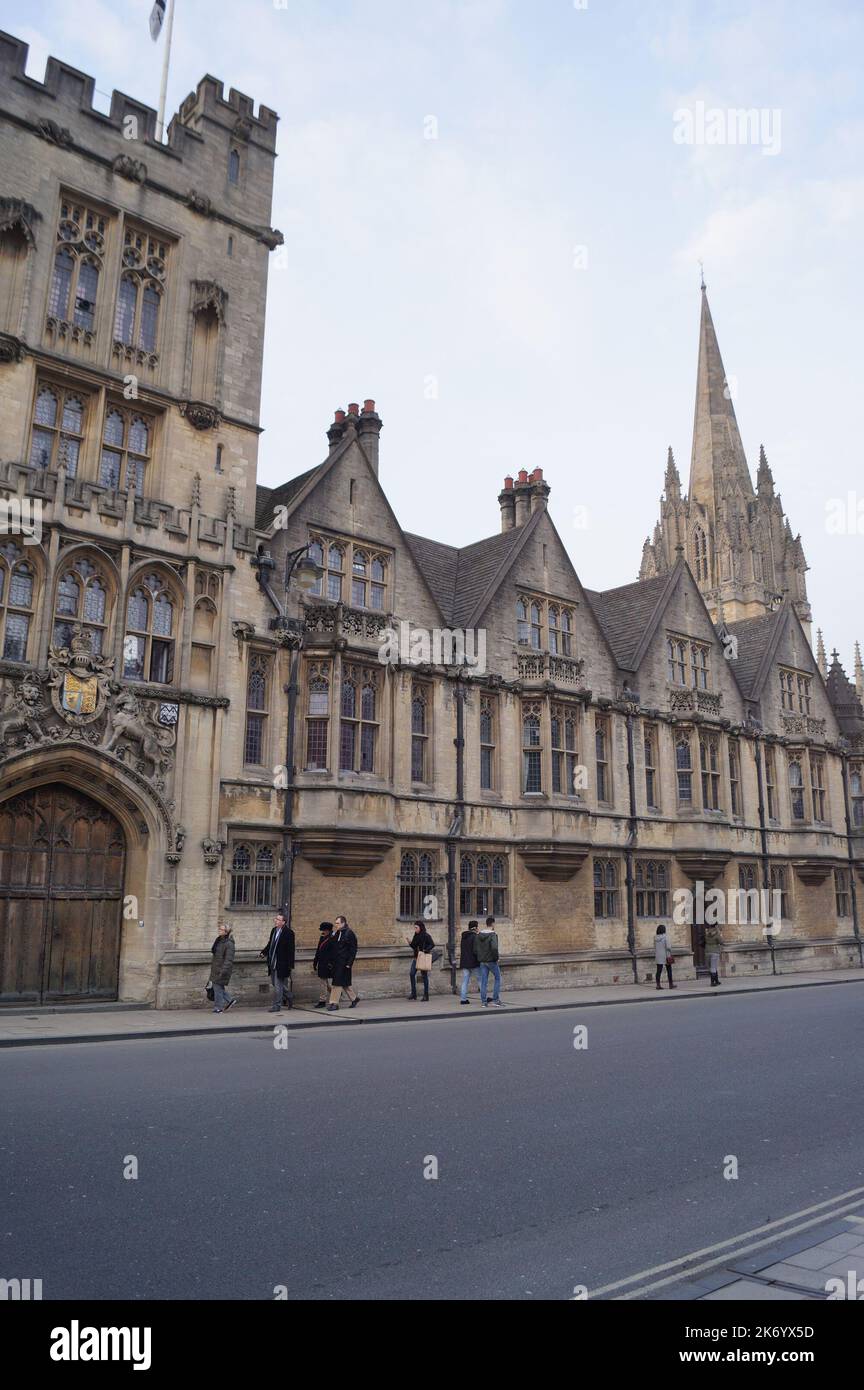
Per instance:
(163,90)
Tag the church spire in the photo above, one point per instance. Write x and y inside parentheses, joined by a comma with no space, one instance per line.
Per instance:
(718,453)
(859,672)
(821,658)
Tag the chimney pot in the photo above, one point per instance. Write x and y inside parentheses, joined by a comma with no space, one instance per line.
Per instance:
(537,475)
(523,475)
(339,416)
(353,408)
(508,483)
(369,407)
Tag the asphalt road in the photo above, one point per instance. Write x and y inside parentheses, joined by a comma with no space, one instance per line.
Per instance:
(304,1167)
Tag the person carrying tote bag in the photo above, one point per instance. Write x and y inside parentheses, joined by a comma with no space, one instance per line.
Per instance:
(422,945)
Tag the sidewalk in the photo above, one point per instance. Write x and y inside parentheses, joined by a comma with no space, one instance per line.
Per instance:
(26,1027)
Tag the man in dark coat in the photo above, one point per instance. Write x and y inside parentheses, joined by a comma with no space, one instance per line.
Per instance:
(344,953)
(468,962)
(279,955)
(323,964)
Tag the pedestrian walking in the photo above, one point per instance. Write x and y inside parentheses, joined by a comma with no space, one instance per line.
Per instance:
(322,965)
(422,945)
(221,969)
(279,955)
(344,955)
(487,955)
(713,948)
(468,962)
(663,956)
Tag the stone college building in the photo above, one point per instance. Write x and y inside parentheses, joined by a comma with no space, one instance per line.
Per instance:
(216,697)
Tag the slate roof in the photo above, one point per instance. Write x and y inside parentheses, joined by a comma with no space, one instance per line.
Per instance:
(267,499)
(459,578)
(753,636)
(625,613)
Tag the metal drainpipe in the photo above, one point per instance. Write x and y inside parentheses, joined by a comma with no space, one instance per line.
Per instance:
(633,831)
(264,563)
(763,835)
(289,847)
(848,809)
(455,829)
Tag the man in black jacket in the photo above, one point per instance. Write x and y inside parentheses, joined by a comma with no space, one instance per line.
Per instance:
(279,955)
(322,965)
(468,962)
(344,953)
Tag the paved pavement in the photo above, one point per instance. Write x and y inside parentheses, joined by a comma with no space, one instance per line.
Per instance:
(495,1160)
(113,1022)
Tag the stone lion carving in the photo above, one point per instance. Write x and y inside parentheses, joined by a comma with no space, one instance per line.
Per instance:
(131,723)
(22,712)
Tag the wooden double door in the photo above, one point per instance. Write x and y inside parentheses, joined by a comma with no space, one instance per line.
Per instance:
(62,858)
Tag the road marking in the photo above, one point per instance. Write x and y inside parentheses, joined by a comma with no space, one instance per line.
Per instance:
(856,1218)
(854,1192)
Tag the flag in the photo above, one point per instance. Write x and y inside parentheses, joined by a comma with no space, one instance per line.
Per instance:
(157,14)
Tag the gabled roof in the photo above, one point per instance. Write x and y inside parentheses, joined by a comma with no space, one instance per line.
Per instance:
(463,580)
(757,640)
(267,499)
(628,616)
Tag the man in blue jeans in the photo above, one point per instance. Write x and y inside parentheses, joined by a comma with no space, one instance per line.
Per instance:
(487,955)
(468,962)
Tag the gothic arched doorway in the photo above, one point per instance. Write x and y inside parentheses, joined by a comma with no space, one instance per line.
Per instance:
(62,858)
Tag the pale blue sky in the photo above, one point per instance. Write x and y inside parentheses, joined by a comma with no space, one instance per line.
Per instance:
(408,258)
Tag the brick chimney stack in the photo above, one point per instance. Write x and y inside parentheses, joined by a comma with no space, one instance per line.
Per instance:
(539,490)
(336,432)
(369,431)
(507,503)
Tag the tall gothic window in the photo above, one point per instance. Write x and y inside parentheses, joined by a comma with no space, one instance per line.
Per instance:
(57,433)
(842,892)
(601,758)
(748,911)
(735,776)
(605,888)
(651,796)
(151,627)
(17,582)
(82,594)
(234,166)
(142,285)
(368,580)
(532,747)
(488,739)
(483,885)
(564,755)
(358,730)
(77,265)
(709,759)
(779,885)
(317,717)
(684,769)
(257,710)
(560,631)
(416,885)
(796,789)
(253,875)
(676,658)
(420,698)
(856,795)
(126,449)
(771,783)
(817,787)
(652,888)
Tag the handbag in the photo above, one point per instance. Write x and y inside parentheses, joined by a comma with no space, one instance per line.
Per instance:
(437,954)
(670,959)
(209,991)
(424,961)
